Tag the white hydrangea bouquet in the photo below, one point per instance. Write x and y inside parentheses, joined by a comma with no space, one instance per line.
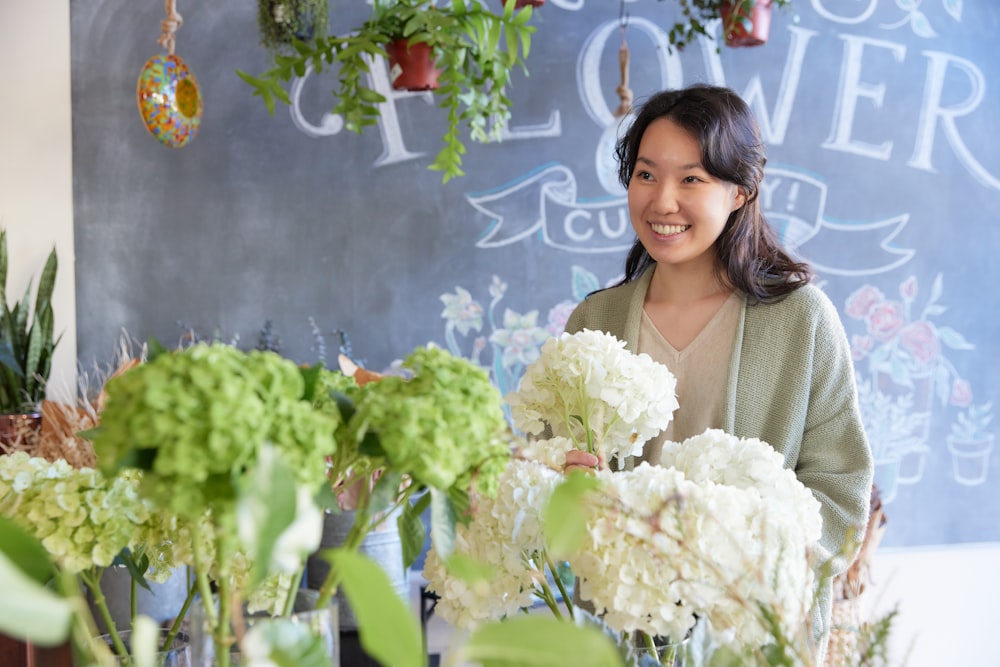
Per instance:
(717,536)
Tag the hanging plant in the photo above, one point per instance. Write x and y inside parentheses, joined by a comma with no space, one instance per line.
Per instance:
(282,22)
(736,15)
(475,49)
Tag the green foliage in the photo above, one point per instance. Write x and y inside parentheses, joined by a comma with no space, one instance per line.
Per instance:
(281,22)
(697,14)
(30,610)
(539,641)
(26,343)
(380,612)
(475,49)
(566,514)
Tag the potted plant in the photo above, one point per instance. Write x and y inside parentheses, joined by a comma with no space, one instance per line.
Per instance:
(744,22)
(475,50)
(281,22)
(26,347)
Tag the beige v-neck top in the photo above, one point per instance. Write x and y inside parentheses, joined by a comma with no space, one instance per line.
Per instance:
(702,372)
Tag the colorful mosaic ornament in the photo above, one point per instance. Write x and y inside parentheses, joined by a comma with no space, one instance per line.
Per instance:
(169,100)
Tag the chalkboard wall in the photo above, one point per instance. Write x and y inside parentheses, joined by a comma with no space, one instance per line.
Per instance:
(884,170)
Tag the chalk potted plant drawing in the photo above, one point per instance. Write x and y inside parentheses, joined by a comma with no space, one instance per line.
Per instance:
(888,421)
(970,444)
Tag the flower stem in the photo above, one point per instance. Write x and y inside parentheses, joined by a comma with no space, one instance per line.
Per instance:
(562,589)
(92,579)
(293,592)
(176,625)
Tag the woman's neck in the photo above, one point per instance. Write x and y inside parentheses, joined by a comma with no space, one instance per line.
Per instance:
(683,284)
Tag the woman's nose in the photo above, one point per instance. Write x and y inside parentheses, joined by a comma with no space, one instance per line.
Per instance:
(665,199)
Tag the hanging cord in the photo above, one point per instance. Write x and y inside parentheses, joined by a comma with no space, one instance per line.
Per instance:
(624,92)
(169,26)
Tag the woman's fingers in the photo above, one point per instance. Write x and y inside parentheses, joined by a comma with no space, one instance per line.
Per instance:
(580,460)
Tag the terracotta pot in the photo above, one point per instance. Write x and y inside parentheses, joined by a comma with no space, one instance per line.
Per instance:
(525,3)
(411,67)
(742,30)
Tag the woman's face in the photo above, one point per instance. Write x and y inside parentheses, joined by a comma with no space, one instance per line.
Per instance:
(678,209)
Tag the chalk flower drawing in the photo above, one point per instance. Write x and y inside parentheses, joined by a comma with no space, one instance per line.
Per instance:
(902,346)
(513,339)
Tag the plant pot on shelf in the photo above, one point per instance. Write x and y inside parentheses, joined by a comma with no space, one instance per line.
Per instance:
(518,4)
(746,22)
(411,66)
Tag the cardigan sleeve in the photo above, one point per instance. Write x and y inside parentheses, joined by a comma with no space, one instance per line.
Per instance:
(835,459)
(796,391)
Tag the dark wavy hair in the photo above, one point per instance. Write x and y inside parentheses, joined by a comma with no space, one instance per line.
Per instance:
(750,254)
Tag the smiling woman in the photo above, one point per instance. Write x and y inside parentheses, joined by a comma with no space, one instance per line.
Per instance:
(709,292)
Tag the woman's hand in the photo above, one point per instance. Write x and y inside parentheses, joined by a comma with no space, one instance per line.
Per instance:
(577,459)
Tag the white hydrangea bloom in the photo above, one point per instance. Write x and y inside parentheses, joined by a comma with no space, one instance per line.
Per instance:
(550,453)
(588,387)
(504,535)
(631,567)
(757,525)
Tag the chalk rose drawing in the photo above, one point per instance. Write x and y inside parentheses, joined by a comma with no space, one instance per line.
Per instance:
(906,360)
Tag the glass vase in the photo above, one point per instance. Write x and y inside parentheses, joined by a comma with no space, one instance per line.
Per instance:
(177,655)
(321,623)
(656,652)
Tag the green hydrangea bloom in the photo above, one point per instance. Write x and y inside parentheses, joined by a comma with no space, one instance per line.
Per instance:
(439,425)
(196,419)
(85,519)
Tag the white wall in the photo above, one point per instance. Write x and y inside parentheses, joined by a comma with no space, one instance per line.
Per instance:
(949,598)
(36,187)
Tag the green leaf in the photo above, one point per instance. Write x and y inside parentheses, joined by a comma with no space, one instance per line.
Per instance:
(385,492)
(442,523)
(310,376)
(268,498)
(412,533)
(387,627)
(31,611)
(137,567)
(566,515)
(25,551)
(535,640)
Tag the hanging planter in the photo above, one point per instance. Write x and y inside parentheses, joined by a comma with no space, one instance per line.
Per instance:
(281,22)
(167,92)
(465,36)
(746,22)
(518,4)
(411,65)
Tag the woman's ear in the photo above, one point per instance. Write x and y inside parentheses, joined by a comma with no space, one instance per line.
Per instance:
(739,199)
